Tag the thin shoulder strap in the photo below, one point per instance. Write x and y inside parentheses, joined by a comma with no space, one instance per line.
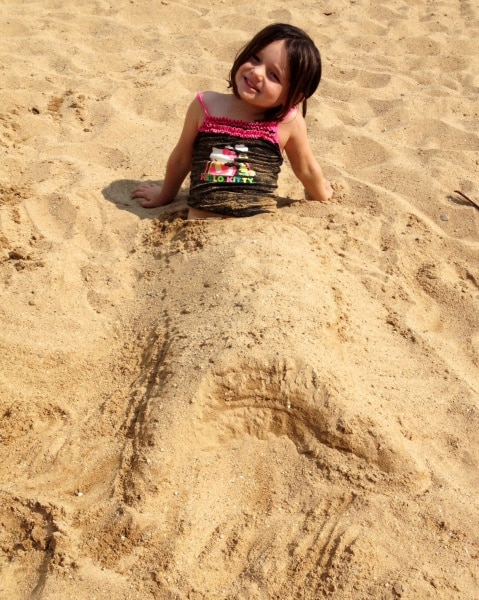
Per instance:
(201,100)
(290,114)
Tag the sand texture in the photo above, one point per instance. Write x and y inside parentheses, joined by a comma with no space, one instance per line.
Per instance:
(282,407)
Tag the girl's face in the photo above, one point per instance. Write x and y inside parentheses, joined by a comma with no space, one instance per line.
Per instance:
(263,79)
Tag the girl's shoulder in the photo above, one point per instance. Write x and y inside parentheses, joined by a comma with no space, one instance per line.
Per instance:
(291,116)
(213,102)
(292,126)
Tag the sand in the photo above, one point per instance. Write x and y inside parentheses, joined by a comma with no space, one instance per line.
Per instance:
(281,407)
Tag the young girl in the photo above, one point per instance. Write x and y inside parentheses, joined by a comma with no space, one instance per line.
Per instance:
(233,143)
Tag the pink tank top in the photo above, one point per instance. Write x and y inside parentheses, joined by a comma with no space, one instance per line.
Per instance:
(235,166)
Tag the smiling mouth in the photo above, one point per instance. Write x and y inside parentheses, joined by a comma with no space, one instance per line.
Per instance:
(252,87)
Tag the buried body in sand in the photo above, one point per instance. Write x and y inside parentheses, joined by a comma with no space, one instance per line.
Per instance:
(278,446)
(258,463)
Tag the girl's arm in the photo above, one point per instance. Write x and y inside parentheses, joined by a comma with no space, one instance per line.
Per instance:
(304,164)
(178,165)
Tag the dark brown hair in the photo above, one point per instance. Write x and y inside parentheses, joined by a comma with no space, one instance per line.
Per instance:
(304,62)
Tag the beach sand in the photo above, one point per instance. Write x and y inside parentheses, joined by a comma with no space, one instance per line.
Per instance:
(280,407)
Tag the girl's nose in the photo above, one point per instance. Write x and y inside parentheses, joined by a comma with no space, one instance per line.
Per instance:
(256,73)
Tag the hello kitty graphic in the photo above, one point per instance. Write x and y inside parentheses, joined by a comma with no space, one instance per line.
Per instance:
(228,165)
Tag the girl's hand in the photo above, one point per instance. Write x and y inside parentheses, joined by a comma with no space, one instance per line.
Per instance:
(151,192)
(329,189)
(327,192)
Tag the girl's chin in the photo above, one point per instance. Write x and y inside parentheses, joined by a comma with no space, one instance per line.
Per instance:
(249,97)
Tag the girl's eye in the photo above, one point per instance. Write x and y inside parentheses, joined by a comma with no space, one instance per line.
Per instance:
(255,58)
(275,77)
